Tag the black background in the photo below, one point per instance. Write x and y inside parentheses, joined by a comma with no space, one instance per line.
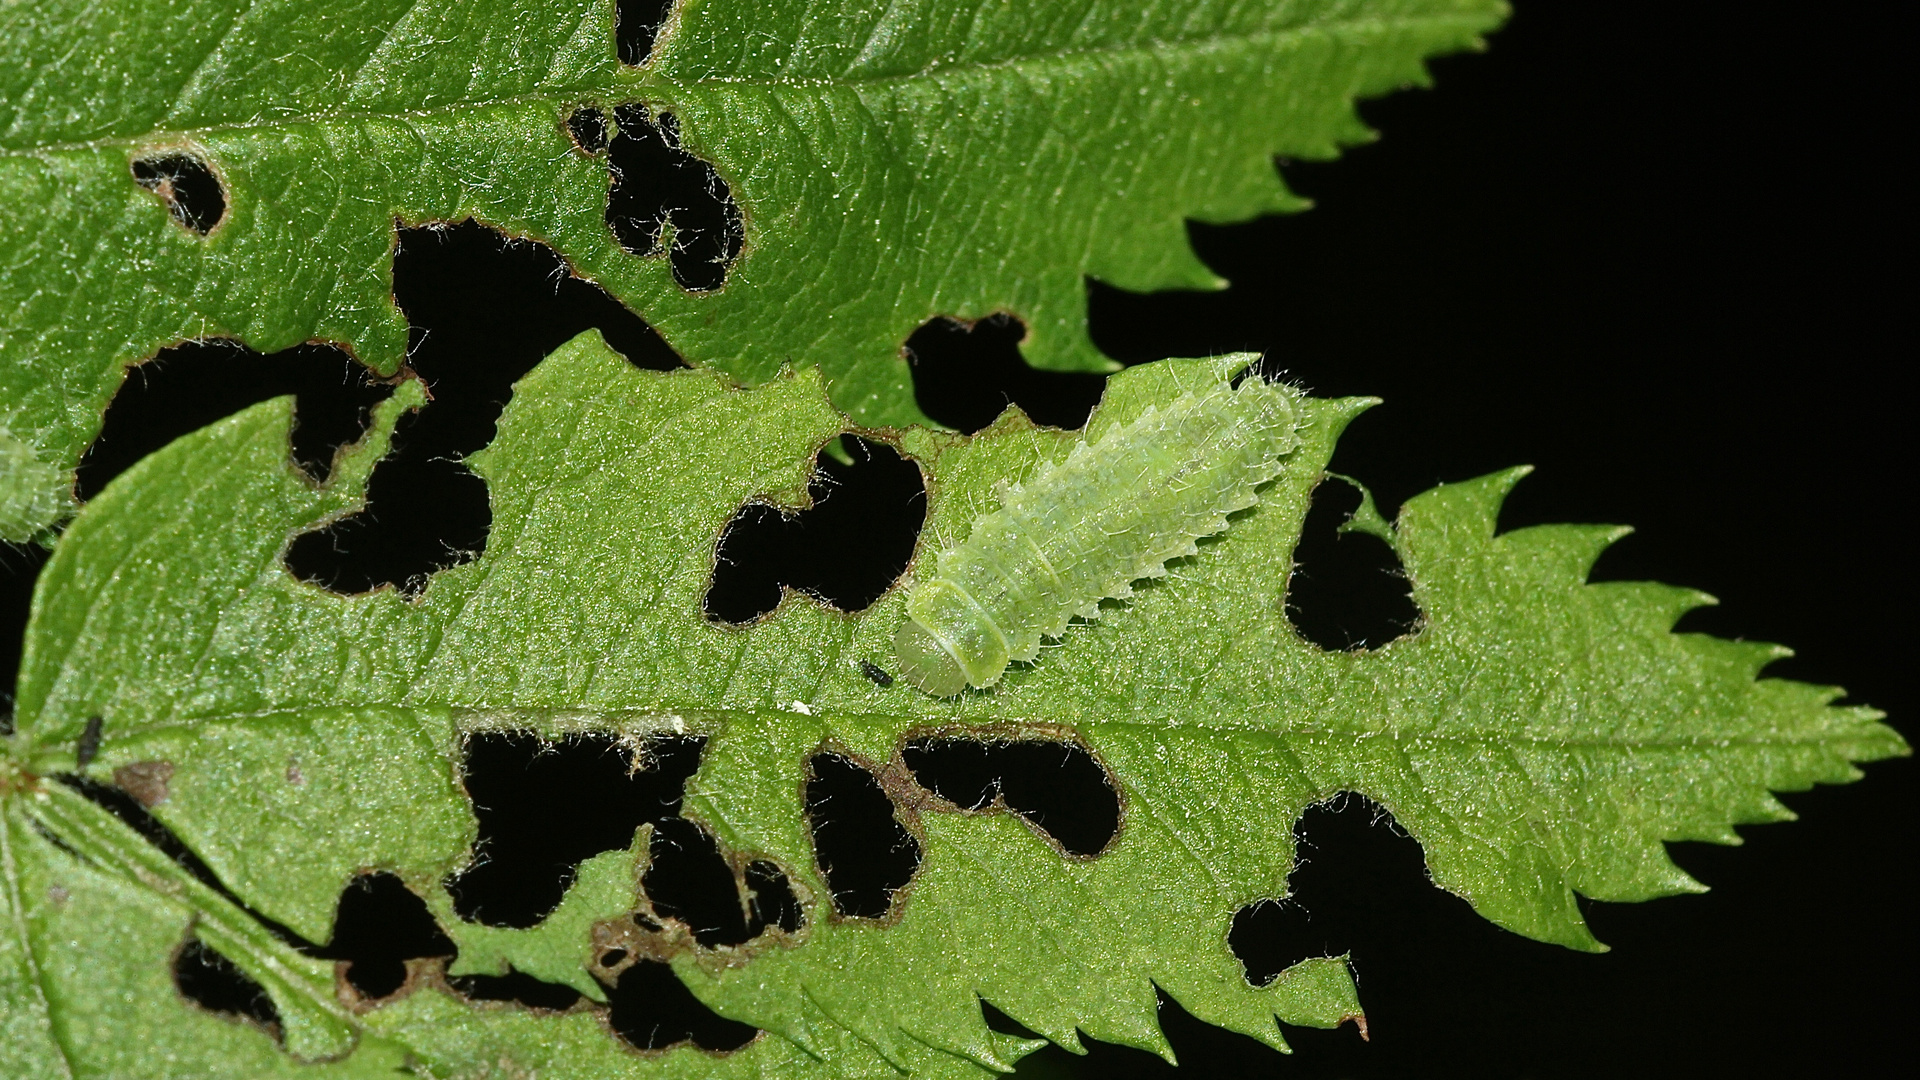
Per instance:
(1656,251)
(1650,249)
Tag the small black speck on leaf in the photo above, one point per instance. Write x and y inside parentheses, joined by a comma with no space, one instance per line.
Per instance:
(89,747)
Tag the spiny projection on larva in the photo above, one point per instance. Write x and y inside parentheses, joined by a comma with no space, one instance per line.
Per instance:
(1078,531)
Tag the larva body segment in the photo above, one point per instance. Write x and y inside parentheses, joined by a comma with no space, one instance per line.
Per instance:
(1080,530)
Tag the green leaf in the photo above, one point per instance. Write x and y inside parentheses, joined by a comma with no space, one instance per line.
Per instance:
(893,162)
(606,887)
(32,493)
(1542,737)
(1539,735)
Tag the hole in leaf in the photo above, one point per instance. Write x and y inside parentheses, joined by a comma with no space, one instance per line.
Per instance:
(1347,591)
(19,568)
(865,854)
(1056,787)
(588,128)
(1136,328)
(656,184)
(690,880)
(484,310)
(188,386)
(652,1009)
(212,981)
(187,185)
(771,901)
(379,925)
(1267,933)
(516,986)
(1354,863)
(543,807)
(964,376)
(138,818)
(636,26)
(847,549)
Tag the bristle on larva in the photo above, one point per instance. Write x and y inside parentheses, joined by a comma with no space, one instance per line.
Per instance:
(1081,530)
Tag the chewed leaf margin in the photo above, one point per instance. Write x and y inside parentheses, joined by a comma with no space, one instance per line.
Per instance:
(611,487)
(820,137)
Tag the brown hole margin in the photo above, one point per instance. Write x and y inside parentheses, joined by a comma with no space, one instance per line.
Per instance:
(925,799)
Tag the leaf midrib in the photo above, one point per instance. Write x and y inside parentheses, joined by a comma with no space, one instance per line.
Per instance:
(625,719)
(1024,62)
(636,83)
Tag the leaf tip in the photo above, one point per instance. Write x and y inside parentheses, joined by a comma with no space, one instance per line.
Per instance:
(1512,476)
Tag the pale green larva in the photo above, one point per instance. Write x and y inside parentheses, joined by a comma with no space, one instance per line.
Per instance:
(1078,531)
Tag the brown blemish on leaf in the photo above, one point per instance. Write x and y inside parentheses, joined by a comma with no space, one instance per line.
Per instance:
(1359,1020)
(641,938)
(294,775)
(58,895)
(13,778)
(146,781)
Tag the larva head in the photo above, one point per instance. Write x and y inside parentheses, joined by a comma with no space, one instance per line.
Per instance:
(925,661)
